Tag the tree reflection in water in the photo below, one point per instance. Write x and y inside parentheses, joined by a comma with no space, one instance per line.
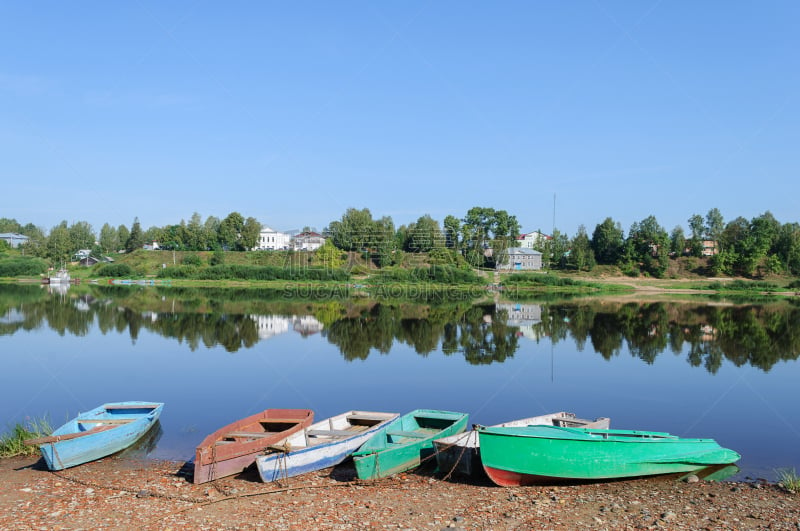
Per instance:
(760,335)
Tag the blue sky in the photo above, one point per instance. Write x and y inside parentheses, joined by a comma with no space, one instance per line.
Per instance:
(291,112)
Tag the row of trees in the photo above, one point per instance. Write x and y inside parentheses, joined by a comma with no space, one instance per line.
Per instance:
(741,246)
(745,247)
(60,244)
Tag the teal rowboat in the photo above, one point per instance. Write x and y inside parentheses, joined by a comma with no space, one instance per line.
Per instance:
(405,442)
(539,454)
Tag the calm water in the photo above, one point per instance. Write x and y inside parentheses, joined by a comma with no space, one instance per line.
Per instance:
(696,369)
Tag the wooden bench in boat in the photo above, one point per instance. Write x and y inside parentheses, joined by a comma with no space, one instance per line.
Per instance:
(329,433)
(367,417)
(249,434)
(105,421)
(133,406)
(399,433)
(280,421)
(66,436)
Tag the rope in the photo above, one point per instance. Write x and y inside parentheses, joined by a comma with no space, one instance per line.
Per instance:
(466,437)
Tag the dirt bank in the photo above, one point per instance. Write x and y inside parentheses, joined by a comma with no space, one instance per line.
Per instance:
(114,493)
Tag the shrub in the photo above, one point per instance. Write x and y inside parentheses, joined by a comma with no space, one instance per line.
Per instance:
(191,260)
(115,270)
(22,266)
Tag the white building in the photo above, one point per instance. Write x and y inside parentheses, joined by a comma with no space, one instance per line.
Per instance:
(519,259)
(307,241)
(532,240)
(272,240)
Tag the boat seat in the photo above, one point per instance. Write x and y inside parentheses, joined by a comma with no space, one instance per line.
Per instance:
(105,421)
(281,421)
(132,406)
(329,433)
(399,433)
(248,434)
(367,417)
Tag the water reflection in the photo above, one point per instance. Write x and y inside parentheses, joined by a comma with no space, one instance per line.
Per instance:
(760,335)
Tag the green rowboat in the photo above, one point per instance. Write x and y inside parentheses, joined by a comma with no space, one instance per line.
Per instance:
(405,442)
(540,454)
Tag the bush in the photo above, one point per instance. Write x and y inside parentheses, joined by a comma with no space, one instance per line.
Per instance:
(245,272)
(115,271)
(22,266)
(191,260)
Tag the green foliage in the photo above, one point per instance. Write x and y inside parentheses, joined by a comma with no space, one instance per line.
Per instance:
(328,255)
(440,274)
(543,279)
(217,258)
(607,241)
(12,443)
(789,480)
(191,260)
(18,266)
(245,272)
(115,271)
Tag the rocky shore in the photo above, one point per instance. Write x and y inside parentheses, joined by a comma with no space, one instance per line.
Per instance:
(115,493)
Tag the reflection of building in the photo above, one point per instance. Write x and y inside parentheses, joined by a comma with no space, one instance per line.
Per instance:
(524,316)
(272,325)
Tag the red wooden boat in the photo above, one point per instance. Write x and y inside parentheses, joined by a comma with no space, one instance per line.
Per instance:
(231,449)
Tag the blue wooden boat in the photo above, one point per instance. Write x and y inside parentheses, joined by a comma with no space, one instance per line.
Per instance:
(97,433)
(406,442)
(323,444)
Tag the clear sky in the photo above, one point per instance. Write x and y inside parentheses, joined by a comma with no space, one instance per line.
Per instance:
(291,112)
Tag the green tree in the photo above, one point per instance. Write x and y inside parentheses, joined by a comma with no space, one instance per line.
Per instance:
(581,256)
(123,235)
(697,226)
(452,228)
(109,239)
(81,235)
(250,233)
(607,242)
(328,255)
(59,245)
(715,224)
(677,241)
(424,235)
(649,243)
(230,230)
(354,231)
(136,238)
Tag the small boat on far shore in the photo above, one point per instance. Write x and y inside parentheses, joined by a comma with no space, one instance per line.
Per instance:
(105,430)
(460,453)
(58,277)
(528,455)
(234,447)
(324,444)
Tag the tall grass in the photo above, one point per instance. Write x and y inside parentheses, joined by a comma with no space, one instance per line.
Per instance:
(12,443)
(789,480)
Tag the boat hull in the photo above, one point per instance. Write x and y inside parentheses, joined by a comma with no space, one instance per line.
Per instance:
(461,454)
(99,433)
(234,447)
(543,454)
(315,450)
(406,442)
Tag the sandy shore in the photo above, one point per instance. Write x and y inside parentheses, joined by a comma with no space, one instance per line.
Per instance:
(115,493)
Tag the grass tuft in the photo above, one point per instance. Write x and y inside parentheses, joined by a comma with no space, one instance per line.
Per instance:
(789,480)
(12,443)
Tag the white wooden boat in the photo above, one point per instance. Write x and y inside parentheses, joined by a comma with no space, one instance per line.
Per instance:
(460,453)
(323,444)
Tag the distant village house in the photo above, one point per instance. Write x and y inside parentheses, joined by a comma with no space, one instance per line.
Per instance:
(13,239)
(519,259)
(532,240)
